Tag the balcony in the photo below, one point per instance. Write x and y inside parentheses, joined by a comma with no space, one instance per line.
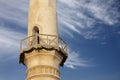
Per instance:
(43,41)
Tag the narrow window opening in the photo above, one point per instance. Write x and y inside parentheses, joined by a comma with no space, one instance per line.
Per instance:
(36,34)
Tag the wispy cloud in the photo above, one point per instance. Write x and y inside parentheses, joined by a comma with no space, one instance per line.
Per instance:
(83,15)
(9,43)
(75,61)
(118,32)
(14,11)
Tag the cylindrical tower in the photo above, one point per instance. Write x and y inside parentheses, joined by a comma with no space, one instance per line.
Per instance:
(43,51)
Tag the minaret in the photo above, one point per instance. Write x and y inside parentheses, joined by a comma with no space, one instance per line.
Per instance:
(43,51)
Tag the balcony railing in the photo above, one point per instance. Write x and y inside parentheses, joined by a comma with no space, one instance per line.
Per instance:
(43,40)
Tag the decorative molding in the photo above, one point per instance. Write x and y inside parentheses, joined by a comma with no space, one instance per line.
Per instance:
(42,75)
(42,70)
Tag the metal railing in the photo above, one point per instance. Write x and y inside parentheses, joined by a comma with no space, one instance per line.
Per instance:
(43,40)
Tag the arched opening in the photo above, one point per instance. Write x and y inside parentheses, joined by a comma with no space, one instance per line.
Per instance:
(35,30)
(36,34)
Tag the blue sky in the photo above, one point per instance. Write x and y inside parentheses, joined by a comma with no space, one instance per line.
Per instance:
(91,29)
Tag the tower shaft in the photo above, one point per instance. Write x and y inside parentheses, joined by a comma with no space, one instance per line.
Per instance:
(43,51)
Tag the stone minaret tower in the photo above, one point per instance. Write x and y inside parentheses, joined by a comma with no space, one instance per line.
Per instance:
(43,51)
